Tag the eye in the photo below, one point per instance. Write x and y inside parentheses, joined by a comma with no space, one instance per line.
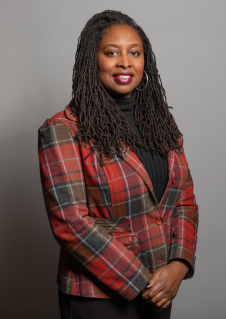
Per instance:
(111,53)
(135,53)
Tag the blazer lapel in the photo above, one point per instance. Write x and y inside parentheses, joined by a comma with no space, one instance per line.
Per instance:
(131,159)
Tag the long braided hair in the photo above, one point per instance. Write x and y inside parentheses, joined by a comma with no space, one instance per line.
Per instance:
(100,119)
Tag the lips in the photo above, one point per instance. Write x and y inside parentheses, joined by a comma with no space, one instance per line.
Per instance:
(123,78)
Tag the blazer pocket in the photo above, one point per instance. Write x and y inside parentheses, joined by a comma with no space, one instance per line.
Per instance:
(129,240)
(120,229)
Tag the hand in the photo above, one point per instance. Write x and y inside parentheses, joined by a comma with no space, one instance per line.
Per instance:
(164,284)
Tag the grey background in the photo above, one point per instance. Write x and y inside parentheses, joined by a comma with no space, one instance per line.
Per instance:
(38,44)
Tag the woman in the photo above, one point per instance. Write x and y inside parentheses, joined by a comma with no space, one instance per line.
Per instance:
(116,183)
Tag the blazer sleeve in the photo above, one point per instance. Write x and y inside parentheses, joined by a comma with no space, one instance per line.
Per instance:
(184,226)
(64,192)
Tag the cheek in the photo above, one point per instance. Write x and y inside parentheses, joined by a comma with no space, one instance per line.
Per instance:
(101,63)
(140,68)
(103,70)
(105,65)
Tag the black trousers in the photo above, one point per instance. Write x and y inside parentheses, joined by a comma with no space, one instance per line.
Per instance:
(77,307)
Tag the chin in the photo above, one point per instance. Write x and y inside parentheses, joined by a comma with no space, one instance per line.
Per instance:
(125,90)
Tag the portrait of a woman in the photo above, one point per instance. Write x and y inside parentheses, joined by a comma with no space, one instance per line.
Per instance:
(116,183)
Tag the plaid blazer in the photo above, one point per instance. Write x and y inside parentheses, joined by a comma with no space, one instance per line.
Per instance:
(107,251)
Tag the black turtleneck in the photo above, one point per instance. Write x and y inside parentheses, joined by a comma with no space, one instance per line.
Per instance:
(156,168)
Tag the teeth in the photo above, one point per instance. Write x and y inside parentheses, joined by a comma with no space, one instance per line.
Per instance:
(124,76)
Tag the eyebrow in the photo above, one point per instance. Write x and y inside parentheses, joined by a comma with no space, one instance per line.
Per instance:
(115,45)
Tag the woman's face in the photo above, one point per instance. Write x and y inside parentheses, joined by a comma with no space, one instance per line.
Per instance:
(120,60)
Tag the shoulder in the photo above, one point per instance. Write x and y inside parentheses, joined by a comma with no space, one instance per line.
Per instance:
(58,117)
(64,117)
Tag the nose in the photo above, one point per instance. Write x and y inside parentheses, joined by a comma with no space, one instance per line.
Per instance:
(124,61)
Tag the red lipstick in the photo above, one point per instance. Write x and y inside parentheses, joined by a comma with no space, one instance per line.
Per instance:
(123,78)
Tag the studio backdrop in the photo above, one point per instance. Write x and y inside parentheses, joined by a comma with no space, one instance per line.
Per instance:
(38,45)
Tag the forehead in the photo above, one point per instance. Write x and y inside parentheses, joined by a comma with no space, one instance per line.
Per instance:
(120,34)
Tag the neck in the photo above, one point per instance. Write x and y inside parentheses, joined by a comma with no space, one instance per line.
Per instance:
(125,103)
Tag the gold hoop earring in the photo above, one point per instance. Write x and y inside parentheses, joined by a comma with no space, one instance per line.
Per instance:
(146,83)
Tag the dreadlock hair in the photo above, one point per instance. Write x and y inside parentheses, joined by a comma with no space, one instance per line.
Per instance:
(100,119)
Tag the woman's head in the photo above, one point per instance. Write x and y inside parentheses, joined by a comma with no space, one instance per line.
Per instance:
(101,30)
(120,59)
(106,49)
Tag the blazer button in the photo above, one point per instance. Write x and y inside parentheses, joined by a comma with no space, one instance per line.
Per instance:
(159,221)
(173,180)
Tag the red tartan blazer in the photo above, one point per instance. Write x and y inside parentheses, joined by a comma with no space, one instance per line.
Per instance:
(107,251)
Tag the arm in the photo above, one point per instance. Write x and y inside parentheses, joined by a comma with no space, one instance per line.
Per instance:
(64,193)
(184,226)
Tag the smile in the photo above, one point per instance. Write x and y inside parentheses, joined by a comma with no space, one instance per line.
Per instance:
(123,78)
